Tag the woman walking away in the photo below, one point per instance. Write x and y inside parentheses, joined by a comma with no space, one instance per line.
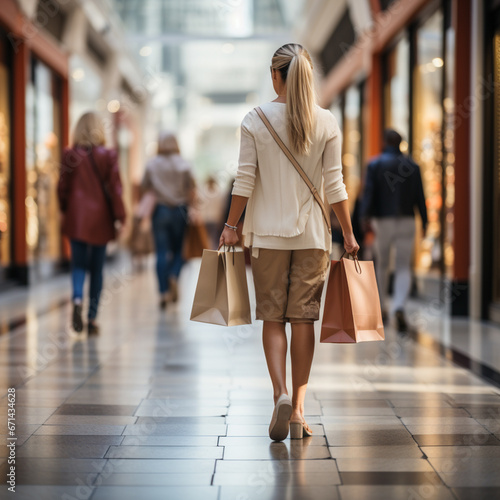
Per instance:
(169,176)
(90,197)
(285,227)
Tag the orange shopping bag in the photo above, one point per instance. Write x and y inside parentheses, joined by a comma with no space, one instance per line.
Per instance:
(352,306)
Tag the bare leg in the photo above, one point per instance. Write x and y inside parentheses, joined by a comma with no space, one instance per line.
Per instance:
(302,352)
(275,346)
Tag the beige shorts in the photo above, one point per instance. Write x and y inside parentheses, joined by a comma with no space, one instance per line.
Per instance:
(289,284)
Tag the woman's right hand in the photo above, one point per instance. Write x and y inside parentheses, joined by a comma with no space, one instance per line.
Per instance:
(229,237)
(350,244)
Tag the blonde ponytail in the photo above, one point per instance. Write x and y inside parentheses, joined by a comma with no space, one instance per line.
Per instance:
(296,68)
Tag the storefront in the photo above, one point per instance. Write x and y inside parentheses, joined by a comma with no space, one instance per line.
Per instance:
(418,103)
(491,184)
(405,58)
(33,130)
(43,154)
(5,160)
(347,109)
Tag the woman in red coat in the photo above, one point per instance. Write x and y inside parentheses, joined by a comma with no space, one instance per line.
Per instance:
(90,197)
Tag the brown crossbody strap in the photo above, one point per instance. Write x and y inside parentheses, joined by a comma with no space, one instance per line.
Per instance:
(297,166)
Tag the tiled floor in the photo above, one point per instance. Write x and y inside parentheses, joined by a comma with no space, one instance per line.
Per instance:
(159,407)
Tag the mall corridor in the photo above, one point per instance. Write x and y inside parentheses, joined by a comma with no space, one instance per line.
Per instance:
(131,141)
(159,407)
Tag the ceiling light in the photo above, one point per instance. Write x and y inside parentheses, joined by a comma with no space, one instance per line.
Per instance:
(78,74)
(438,62)
(113,106)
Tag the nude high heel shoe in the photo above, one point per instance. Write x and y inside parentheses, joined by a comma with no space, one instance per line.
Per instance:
(280,421)
(299,429)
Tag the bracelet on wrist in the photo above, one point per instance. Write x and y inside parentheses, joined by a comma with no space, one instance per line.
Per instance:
(234,228)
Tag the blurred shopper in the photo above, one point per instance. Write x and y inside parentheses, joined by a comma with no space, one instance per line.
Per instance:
(90,197)
(393,189)
(169,176)
(284,225)
(212,200)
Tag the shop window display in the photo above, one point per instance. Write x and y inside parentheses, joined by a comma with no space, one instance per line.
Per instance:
(43,149)
(449,153)
(427,147)
(496,176)
(5,215)
(397,90)
(351,154)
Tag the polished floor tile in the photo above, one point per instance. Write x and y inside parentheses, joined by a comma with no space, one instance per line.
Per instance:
(419,403)
(294,490)
(357,411)
(41,492)
(99,409)
(478,493)
(479,439)
(174,440)
(430,412)
(156,492)
(175,429)
(193,478)
(439,421)
(461,451)
(448,429)
(277,478)
(81,450)
(408,491)
(399,477)
(369,438)
(354,403)
(81,429)
(291,450)
(378,452)
(379,464)
(94,420)
(472,477)
(187,411)
(62,465)
(154,452)
(72,439)
(276,466)
(158,466)
(55,478)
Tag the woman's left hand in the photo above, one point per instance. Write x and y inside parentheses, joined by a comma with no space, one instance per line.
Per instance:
(229,237)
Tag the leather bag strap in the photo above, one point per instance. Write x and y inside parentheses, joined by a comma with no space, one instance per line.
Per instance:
(105,192)
(297,166)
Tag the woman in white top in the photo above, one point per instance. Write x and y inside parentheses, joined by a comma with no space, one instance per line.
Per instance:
(284,226)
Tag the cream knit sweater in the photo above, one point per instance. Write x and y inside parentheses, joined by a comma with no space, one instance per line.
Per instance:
(281,211)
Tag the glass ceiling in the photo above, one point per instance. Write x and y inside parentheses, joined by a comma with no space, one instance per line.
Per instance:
(208,61)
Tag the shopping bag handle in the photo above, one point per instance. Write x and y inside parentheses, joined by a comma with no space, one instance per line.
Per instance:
(229,246)
(357,265)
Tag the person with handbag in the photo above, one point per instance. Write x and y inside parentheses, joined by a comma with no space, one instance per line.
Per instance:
(90,198)
(170,178)
(290,152)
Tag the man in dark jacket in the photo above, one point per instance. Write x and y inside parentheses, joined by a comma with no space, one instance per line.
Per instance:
(393,189)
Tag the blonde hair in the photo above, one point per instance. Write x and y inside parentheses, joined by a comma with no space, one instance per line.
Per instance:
(296,68)
(89,131)
(167,144)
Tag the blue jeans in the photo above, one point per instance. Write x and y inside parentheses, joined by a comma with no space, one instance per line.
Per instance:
(85,256)
(169,226)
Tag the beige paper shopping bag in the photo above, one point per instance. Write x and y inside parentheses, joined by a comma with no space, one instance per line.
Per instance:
(352,306)
(221,296)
